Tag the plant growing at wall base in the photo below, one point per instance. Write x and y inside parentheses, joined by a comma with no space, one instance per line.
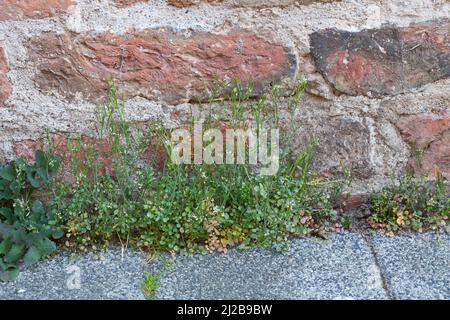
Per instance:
(191,207)
(26,225)
(412,204)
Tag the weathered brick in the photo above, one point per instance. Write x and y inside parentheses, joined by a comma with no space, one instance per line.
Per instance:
(344,144)
(386,61)
(5,86)
(348,201)
(26,149)
(429,137)
(156,64)
(32,9)
(62,148)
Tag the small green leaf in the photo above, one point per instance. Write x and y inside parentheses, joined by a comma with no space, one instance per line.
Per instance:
(18,234)
(7,214)
(20,162)
(57,234)
(32,256)
(41,159)
(35,183)
(38,208)
(4,184)
(5,230)
(19,209)
(6,195)
(46,247)
(5,246)
(7,172)
(43,174)
(15,187)
(15,253)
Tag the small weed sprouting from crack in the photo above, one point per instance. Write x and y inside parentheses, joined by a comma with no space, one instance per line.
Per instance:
(152,280)
(150,285)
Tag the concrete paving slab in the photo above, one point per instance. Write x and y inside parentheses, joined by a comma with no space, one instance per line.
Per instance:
(415,266)
(339,268)
(108,275)
(344,267)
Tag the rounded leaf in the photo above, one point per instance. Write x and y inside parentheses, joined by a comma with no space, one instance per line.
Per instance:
(38,208)
(32,256)
(7,172)
(15,253)
(41,159)
(57,234)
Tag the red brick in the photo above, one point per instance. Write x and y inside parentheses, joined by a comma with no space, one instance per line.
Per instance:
(352,201)
(386,61)
(62,146)
(26,149)
(156,64)
(429,134)
(153,155)
(422,129)
(32,9)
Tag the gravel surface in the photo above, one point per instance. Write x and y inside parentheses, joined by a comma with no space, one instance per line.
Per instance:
(344,267)
(340,268)
(415,267)
(107,275)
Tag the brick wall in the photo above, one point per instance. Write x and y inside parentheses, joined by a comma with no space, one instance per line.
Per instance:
(377,71)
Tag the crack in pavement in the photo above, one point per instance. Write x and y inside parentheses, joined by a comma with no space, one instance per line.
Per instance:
(346,266)
(384,282)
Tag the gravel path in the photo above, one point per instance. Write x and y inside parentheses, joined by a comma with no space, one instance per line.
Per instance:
(346,266)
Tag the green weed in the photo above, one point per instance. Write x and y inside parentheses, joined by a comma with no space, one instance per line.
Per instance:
(190,207)
(412,204)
